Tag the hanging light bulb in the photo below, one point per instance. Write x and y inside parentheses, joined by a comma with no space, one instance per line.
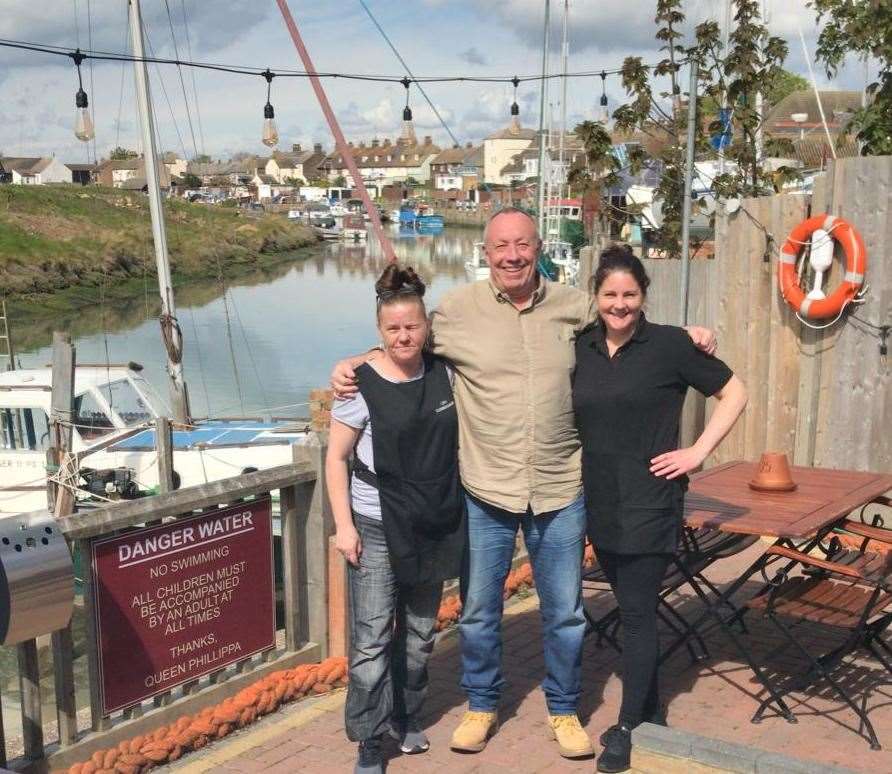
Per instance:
(515,110)
(604,116)
(408,134)
(270,135)
(83,121)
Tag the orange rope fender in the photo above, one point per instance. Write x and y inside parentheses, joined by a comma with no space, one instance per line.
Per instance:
(856,266)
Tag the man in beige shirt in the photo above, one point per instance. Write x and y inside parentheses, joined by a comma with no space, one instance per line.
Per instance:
(510,340)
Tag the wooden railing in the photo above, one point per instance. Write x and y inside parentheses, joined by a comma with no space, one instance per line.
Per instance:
(305,526)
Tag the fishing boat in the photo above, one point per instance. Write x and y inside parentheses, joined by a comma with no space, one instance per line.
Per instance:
(477,267)
(407,215)
(429,221)
(113,438)
(353,228)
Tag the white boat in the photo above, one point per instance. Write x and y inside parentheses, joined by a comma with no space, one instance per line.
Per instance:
(113,436)
(338,210)
(353,229)
(476,267)
(561,255)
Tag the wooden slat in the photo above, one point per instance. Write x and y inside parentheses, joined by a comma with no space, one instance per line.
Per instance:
(29,685)
(97,721)
(720,498)
(288,505)
(63,675)
(108,518)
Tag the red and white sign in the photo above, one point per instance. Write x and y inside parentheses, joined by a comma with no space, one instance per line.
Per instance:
(181,600)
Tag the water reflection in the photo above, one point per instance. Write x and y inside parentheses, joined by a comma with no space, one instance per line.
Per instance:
(273,336)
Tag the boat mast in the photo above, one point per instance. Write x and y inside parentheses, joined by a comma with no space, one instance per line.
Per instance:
(542,94)
(170,331)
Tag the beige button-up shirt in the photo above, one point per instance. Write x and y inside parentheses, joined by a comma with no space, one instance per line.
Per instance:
(518,444)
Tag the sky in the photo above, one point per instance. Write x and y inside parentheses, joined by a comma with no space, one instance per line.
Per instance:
(223,113)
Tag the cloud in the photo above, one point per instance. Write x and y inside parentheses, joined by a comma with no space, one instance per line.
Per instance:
(473,56)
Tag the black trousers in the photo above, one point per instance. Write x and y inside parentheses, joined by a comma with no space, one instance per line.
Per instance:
(636,580)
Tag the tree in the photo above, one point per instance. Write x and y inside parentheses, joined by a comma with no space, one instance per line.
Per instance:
(864,28)
(121,154)
(202,158)
(782,85)
(750,66)
(191,181)
(340,182)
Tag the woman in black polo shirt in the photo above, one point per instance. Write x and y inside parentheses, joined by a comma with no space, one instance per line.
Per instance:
(628,391)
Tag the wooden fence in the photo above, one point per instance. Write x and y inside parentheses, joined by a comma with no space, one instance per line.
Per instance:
(306,528)
(822,396)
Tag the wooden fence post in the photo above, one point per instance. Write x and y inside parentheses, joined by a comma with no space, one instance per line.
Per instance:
(315,527)
(61,500)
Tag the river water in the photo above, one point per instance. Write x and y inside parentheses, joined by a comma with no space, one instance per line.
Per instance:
(257,350)
(273,336)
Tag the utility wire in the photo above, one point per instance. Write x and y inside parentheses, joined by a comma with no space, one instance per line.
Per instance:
(411,75)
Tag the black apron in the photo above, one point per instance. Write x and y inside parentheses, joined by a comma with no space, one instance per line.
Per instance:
(415,448)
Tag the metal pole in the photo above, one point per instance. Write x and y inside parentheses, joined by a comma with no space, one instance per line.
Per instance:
(170,330)
(686,204)
(343,149)
(542,93)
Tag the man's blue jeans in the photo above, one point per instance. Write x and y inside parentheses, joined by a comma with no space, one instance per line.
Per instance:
(555,543)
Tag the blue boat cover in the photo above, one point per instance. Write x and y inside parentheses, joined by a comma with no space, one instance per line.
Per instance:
(211,433)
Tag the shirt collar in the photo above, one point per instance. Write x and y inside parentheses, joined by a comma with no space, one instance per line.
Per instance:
(537,297)
(599,337)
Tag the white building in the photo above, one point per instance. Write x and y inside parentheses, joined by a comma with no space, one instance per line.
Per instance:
(500,148)
(33,171)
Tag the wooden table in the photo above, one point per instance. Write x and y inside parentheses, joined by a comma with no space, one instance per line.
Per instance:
(720,498)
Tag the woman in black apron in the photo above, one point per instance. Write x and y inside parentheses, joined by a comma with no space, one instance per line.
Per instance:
(399,517)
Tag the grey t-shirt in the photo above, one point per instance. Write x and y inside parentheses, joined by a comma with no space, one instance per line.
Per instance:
(354,412)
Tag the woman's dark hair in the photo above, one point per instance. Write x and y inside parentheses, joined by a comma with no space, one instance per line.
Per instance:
(619,258)
(399,284)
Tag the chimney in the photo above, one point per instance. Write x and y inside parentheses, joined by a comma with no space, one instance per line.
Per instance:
(317,147)
(386,142)
(350,143)
(375,143)
(362,143)
(427,139)
(469,145)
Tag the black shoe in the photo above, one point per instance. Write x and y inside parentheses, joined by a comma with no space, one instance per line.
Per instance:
(370,760)
(411,738)
(657,720)
(617,750)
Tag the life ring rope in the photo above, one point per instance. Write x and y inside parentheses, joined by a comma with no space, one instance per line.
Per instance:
(851,288)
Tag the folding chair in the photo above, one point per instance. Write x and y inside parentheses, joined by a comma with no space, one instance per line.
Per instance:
(851,595)
(698,549)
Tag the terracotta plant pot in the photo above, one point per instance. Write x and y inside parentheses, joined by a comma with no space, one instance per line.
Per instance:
(774,474)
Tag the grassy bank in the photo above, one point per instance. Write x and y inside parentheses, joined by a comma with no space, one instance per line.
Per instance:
(74,240)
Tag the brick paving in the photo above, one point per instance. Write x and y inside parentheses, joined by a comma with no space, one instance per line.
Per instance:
(714,698)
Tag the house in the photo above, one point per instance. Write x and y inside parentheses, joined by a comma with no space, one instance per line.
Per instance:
(34,170)
(296,164)
(797,118)
(82,174)
(383,163)
(176,166)
(525,165)
(499,148)
(456,168)
(116,172)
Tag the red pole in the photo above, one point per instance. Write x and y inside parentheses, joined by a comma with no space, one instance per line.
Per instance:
(340,142)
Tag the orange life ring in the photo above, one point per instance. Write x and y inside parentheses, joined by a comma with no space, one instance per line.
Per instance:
(856,266)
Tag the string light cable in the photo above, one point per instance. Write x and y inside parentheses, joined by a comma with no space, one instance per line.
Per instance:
(292,73)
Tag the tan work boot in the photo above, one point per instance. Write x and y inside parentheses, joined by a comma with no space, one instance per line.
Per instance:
(572,740)
(474,731)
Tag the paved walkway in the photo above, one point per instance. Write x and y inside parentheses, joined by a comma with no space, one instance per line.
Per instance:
(713,698)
